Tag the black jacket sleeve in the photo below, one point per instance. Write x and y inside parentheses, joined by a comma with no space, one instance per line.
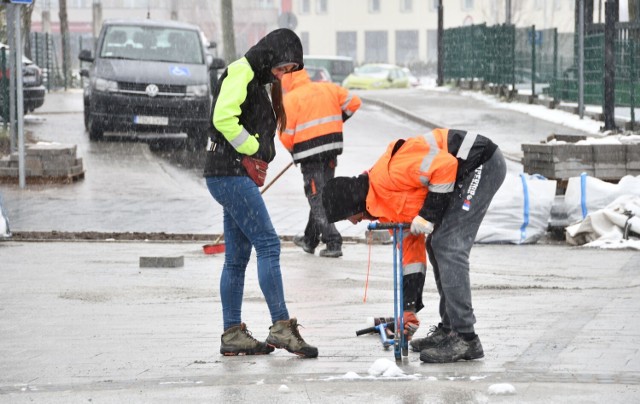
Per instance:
(434,206)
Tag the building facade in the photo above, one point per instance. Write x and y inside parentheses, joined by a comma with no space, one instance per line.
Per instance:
(394,31)
(404,32)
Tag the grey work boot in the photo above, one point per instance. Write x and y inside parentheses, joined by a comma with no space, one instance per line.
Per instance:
(436,335)
(452,349)
(299,241)
(239,341)
(330,253)
(285,334)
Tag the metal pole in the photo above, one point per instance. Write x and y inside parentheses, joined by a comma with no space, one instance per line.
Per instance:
(608,107)
(533,62)
(19,97)
(440,78)
(507,19)
(581,59)
(12,82)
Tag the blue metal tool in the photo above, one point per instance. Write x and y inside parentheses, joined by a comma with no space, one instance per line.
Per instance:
(400,342)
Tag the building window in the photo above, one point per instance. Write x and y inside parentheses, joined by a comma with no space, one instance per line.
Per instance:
(467,5)
(375,47)
(305,6)
(406,6)
(304,38)
(347,44)
(374,6)
(433,5)
(321,6)
(406,47)
(265,4)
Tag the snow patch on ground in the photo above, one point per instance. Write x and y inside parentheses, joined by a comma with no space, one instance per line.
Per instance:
(502,389)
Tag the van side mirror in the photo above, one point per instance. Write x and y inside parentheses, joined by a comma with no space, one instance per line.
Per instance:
(216,64)
(86,56)
(84,73)
(212,45)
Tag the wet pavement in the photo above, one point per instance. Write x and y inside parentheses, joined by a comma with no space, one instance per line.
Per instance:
(132,186)
(83,322)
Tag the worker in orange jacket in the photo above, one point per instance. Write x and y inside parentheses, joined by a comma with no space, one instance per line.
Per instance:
(443,183)
(315,115)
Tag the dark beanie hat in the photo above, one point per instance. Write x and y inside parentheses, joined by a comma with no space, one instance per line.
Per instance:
(345,196)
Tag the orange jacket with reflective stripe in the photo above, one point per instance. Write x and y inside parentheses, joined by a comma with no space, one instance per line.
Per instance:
(315,115)
(400,183)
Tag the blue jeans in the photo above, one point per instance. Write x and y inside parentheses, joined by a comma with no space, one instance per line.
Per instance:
(246,224)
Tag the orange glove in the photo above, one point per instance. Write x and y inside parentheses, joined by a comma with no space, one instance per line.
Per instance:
(411,324)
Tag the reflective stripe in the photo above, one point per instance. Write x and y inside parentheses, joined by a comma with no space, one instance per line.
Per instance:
(415,268)
(346,103)
(425,165)
(242,137)
(347,112)
(441,188)
(317,150)
(319,121)
(289,132)
(466,145)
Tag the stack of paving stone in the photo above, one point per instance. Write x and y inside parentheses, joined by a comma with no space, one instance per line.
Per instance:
(44,163)
(565,159)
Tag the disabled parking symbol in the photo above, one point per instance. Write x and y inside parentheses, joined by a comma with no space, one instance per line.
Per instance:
(179,71)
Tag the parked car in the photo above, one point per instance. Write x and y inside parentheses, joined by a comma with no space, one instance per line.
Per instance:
(32,89)
(339,67)
(377,76)
(149,76)
(318,74)
(413,80)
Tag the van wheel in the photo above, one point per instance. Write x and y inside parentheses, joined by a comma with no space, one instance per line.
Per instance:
(96,131)
(86,117)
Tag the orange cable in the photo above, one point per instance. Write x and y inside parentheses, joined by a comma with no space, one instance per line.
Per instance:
(366,284)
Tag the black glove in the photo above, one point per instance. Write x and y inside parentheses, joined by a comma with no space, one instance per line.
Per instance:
(256,169)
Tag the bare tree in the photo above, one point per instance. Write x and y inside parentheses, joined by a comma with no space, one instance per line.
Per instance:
(25,15)
(25,21)
(64,32)
(228,37)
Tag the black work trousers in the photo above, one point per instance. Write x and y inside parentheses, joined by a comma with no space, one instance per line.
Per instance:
(315,175)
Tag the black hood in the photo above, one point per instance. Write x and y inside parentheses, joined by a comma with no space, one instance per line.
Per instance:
(277,47)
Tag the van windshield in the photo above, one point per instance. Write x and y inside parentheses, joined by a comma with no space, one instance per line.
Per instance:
(152,43)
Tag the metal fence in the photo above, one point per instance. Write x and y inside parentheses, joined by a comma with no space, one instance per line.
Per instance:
(46,51)
(543,62)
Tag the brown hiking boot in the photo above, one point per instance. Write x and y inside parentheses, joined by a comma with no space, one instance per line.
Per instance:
(239,341)
(285,334)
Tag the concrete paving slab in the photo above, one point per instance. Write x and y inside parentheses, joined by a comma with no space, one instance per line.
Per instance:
(81,321)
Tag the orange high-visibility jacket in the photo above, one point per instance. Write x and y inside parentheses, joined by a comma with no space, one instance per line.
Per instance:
(402,184)
(315,114)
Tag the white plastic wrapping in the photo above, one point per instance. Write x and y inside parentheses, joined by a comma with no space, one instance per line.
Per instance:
(520,211)
(4,222)
(620,220)
(586,194)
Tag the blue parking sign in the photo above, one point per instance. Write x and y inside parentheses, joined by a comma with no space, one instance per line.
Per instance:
(21,1)
(537,38)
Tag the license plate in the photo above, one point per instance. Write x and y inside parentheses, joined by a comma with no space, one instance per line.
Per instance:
(29,79)
(151,120)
